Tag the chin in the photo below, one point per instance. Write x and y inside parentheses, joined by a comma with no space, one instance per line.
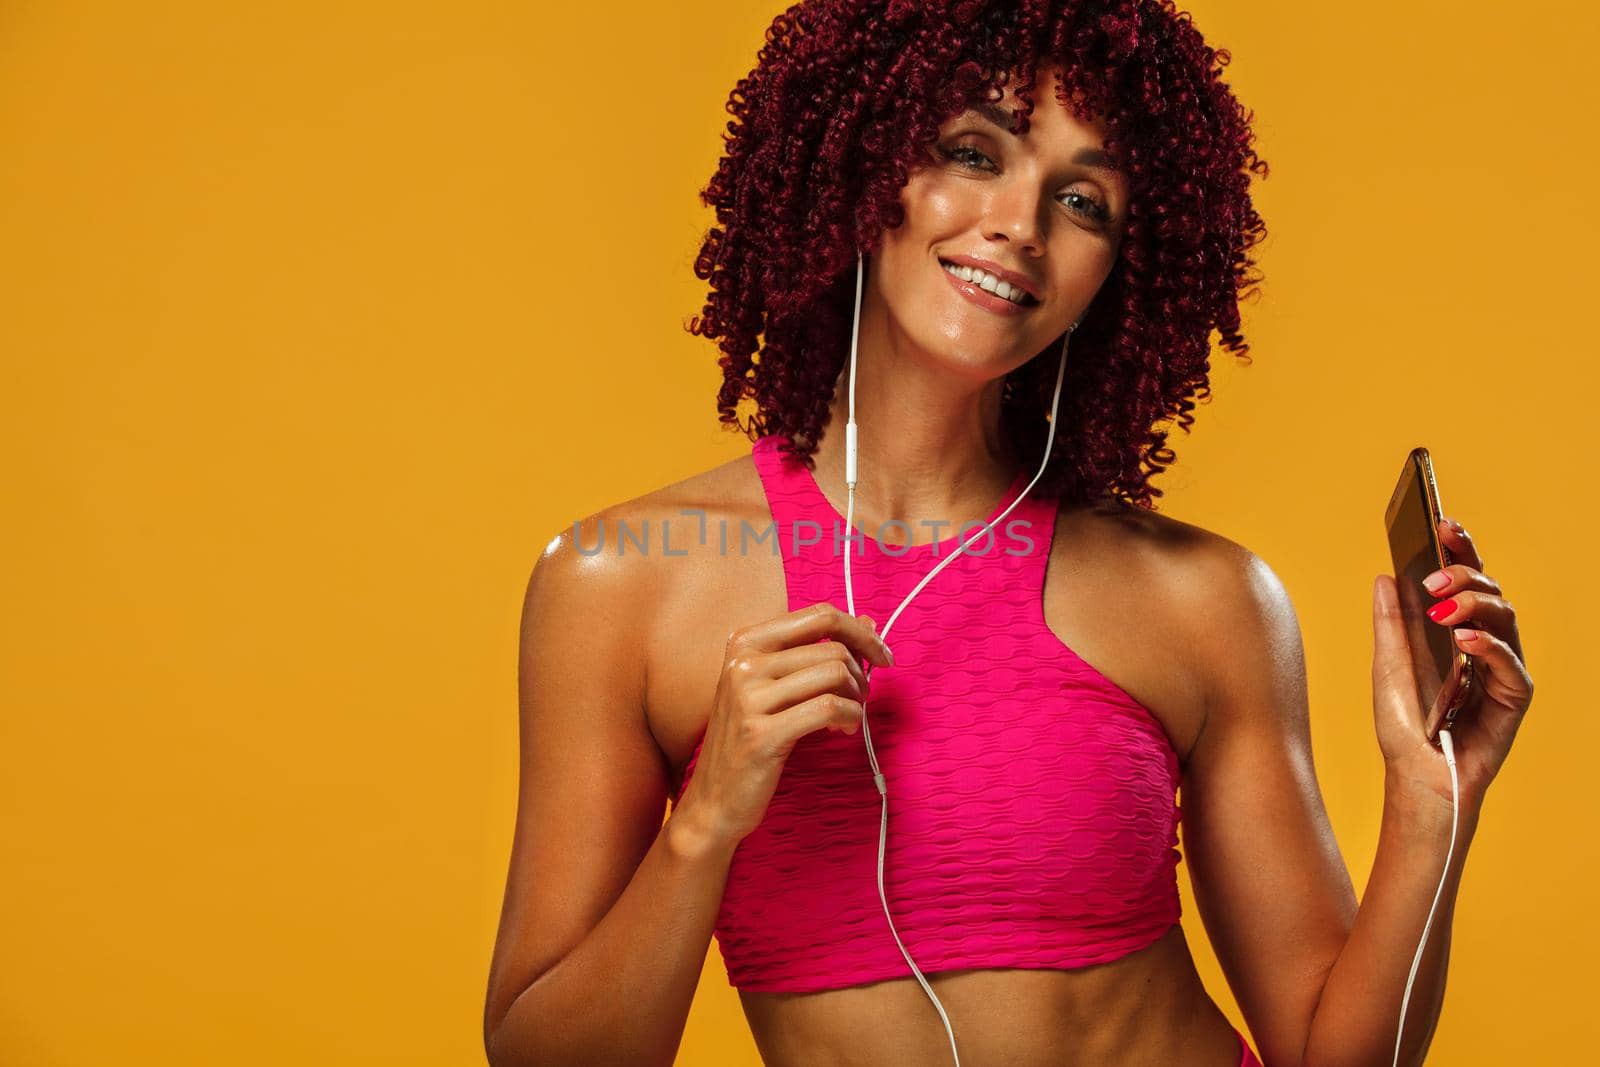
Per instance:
(980,359)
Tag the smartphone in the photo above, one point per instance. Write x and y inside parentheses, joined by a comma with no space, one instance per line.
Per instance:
(1444,673)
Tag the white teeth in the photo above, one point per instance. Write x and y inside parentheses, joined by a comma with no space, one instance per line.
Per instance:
(987,282)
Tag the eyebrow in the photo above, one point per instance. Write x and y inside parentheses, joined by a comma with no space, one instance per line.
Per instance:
(1006,120)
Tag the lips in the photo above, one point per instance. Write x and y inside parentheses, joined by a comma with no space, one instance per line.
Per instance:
(1015,279)
(984,299)
(1028,296)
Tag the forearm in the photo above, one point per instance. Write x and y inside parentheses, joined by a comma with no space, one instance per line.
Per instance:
(1358,1014)
(622,996)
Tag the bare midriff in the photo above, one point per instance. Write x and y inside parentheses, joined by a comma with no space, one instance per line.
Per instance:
(1147,1008)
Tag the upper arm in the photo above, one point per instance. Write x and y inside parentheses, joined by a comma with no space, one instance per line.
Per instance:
(1269,881)
(593,784)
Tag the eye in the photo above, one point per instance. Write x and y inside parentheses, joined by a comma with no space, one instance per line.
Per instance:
(1095,210)
(965,153)
(968,156)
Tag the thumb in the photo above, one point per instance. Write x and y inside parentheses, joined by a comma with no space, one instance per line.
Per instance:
(1394,683)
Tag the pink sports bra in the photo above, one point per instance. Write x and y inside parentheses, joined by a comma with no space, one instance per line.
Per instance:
(1032,802)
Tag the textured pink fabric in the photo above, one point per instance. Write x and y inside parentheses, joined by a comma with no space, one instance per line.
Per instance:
(1032,802)
(1248,1054)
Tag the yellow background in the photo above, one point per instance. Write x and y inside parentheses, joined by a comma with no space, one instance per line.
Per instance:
(318,320)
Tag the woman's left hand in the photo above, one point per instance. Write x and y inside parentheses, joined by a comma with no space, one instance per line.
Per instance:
(1501,691)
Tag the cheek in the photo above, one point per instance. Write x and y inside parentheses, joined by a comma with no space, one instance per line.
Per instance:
(933,205)
(1088,266)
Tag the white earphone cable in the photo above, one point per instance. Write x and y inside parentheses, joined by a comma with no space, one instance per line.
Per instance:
(850,466)
(1448,744)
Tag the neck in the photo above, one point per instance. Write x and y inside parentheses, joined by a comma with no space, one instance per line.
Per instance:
(929,444)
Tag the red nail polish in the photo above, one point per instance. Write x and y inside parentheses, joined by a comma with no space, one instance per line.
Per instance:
(1441,609)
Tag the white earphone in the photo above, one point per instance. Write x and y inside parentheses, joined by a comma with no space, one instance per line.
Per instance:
(850,466)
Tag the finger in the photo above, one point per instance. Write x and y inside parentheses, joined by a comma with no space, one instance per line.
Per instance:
(1500,671)
(1456,577)
(808,625)
(829,709)
(831,676)
(1485,611)
(790,660)
(1458,544)
(820,620)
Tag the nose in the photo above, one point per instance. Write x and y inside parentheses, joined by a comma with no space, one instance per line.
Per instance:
(1013,216)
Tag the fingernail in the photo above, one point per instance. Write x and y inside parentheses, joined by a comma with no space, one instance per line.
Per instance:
(887,651)
(1456,526)
(1466,635)
(1436,581)
(1441,609)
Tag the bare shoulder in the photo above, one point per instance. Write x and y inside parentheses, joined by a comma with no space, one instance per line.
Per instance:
(1138,536)
(1137,579)
(623,559)
(673,572)
(1211,576)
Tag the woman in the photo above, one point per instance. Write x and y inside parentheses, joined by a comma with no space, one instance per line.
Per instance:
(1006,177)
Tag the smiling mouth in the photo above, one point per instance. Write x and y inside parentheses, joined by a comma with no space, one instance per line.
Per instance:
(1016,297)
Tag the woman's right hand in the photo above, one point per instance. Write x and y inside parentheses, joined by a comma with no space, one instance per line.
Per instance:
(780,681)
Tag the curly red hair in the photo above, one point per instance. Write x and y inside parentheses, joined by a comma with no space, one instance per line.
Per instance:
(845,99)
